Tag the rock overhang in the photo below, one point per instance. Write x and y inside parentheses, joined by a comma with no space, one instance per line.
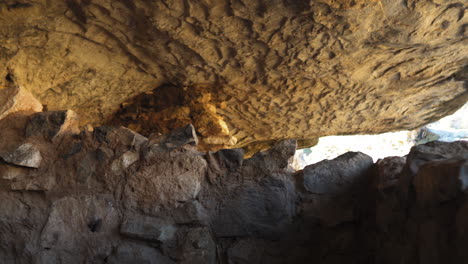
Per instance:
(268,70)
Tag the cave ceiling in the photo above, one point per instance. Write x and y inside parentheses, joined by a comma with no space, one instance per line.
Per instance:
(244,72)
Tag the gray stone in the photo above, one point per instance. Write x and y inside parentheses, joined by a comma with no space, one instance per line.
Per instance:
(191,212)
(121,138)
(337,188)
(232,159)
(436,150)
(26,155)
(177,138)
(198,247)
(432,151)
(53,124)
(56,257)
(124,161)
(132,253)
(283,152)
(337,175)
(264,210)
(278,157)
(167,178)
(148,228)
(22,216)
(246,251)
(223,161)
(82,223)
(182,136)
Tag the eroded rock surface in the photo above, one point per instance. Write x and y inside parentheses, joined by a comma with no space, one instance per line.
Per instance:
(243,72)
(15,99)
(111,195)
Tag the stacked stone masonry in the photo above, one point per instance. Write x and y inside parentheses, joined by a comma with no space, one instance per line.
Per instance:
(110,195)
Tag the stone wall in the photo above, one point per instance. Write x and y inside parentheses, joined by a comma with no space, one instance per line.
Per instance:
(110,195)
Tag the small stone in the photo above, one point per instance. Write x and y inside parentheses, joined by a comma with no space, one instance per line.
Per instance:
(148,228)
(232,159)
(120,137)
(279,157)
(127,159)
(26,155)
(283,152)
(177,138)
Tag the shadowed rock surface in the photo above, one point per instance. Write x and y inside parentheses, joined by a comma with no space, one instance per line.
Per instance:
(243,72)
(113,196)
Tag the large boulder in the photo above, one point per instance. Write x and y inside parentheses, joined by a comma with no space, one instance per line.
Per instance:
(337,189)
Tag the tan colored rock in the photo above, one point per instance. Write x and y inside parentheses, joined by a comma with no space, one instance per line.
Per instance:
(9,172)
(16,99)
(122,163)
(273,69)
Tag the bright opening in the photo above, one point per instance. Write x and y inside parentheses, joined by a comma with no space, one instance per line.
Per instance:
(450,128)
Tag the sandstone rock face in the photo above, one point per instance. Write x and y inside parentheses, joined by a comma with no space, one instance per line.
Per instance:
(113,196)
(14,99)
(243,72)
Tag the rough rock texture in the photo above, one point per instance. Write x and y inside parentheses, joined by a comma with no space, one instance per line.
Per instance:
(425,220)
(113,196)
(26,155)
(243,72)
(14,100)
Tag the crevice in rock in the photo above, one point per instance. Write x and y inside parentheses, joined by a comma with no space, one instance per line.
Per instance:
(169,107)
(9,78)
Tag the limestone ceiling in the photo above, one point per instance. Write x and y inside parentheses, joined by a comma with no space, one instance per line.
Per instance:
(268,69)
